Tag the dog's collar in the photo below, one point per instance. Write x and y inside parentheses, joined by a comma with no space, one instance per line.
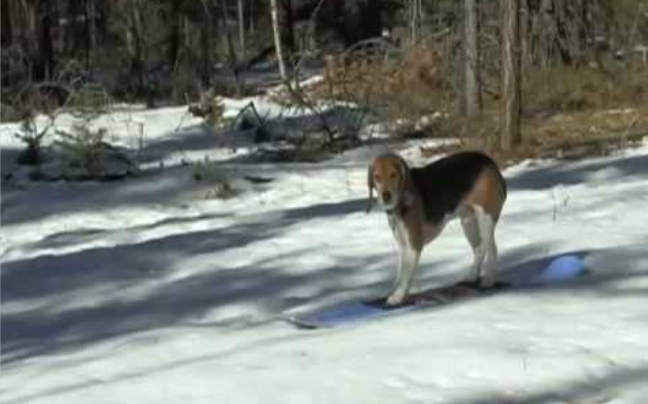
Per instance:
(402,207)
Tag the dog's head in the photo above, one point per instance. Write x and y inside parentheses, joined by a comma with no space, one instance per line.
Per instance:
(388,174)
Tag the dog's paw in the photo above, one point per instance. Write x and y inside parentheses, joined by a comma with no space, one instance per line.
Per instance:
(468,283)
(486,283)
(395,299)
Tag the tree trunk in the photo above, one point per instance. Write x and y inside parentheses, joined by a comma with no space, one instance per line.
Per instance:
(415,20)
(277,39)
(472,82)
(251,17)
(289,33)
(90,32)
(136,45)
(175,34)
(510,71)
(69,27)
(241,28)
(231,53)
(186,27)
(579,31)
(46,47)
(7,40)
(562,43)
(31,40)
(6,24)
(525,29)
(205,46)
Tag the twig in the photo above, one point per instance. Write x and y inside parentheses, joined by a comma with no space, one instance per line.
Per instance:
(251,106)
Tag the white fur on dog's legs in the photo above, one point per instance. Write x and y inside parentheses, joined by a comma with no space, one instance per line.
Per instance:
(401,241)
(489,277)
(407,262)
(409,266)
(471,230)
(399,269)
(488,249)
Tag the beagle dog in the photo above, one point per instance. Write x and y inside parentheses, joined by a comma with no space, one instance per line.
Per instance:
(419,202)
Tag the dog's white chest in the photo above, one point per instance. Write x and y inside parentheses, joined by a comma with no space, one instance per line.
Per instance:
(399,228)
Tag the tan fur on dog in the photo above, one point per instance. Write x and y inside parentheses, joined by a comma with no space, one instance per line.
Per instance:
(420,201)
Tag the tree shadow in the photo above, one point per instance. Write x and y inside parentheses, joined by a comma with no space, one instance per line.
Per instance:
(57,280)
(8,157)
(39,276)
(177,187)
(576,172)
(585,390)
(604,270)
(168,301)
(82,235)
(266,285)
(268,289)
(27,205)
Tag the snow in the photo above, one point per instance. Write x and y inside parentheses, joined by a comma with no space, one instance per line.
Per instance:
(150,290)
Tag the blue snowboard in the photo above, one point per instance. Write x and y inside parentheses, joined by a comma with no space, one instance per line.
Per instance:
(532,274)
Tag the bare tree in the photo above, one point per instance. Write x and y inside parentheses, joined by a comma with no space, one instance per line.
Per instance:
(472,83)
(136,42)
(206,46)
(231,53)
(175,35)
(91,37)
(510,74)
(31,25)
(288,23)
(6,24)
(525,33)
(415,17)
(241,27)
(274,13)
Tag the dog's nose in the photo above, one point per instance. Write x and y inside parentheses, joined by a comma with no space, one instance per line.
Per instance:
(386,196)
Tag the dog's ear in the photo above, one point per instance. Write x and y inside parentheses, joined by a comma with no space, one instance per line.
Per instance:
(405,177)
(371,186)
(404,173)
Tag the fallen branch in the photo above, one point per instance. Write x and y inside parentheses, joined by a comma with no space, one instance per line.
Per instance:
(262,132)
(298,96)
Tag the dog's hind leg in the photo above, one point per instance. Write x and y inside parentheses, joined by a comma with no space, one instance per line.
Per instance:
(489,271)
(470,226)
(487,248)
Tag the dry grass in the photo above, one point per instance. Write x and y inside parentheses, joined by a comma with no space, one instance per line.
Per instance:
(566,135)
(405,88)
(566,89)
(587,124)
(567,111)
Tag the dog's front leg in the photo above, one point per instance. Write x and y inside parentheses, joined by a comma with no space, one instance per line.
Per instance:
(408,265)
(399,269)
(401,241)
(408,259)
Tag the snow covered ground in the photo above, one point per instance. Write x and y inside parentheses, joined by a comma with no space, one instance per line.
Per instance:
(150,290)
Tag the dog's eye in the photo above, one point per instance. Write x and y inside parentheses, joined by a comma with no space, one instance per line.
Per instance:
(393,175)
(377,177)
